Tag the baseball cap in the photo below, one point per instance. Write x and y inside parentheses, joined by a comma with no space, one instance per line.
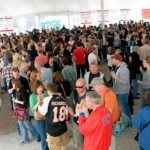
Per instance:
(117,57)
(96,81)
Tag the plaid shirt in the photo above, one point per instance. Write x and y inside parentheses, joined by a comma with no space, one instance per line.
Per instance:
(7,72)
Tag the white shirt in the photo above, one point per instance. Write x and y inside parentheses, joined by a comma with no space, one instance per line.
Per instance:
(144,51)
(92,57)
(109,59)
(44,108)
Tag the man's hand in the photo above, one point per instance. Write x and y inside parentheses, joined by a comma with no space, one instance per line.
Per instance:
(113,74)
(75,115)
(78,109)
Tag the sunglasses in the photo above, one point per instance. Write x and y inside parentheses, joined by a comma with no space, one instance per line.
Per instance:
(80,86)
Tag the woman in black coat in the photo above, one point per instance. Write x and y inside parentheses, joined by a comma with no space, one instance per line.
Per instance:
(21,100)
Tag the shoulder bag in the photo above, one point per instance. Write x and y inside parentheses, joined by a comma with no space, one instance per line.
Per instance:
(19,113)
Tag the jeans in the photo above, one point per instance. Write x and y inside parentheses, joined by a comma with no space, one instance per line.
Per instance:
(82,68)
(41,128)
(143,102)
(124,49)
(18,127)
(100,53)
(11,102)
(104,51)
(38,135)
(123,102)
(135,85)
(24,126)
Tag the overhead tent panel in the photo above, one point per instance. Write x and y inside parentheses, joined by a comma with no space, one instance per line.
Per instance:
(70,13)
(26,7)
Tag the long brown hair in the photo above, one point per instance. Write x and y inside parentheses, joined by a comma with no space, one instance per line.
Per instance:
(36,85)
(17,83)
(58,77)
(33,76)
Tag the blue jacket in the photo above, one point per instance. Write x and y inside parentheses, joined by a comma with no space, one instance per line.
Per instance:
(141,118)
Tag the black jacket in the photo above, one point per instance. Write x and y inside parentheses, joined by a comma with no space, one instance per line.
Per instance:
(22,95)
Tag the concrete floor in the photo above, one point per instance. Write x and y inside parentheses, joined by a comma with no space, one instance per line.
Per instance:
(9,139)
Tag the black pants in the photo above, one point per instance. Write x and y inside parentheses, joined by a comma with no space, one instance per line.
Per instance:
(82,68)
(104,52)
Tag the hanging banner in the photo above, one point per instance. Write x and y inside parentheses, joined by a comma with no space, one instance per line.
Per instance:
(106,16)
(146,13)
(124,14)
(6,24)
(49,22)
(86,17)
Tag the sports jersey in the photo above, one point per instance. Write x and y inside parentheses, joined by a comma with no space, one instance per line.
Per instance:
(55,110)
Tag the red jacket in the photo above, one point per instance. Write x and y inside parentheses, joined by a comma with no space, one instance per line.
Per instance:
(97,129)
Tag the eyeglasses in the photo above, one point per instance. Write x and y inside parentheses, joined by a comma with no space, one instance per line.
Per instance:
(80,86)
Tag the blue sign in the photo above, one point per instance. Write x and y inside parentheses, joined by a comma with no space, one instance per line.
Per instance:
(53,23)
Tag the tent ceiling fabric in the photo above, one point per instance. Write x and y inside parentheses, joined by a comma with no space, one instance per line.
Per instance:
(25,7)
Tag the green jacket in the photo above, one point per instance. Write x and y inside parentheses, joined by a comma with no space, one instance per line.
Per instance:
(33,102)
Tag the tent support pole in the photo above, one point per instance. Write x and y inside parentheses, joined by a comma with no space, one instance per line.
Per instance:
(102,13)
(69,19)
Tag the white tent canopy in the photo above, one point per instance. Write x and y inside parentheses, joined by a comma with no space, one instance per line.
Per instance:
(19,7)
(26,7)
(28,14)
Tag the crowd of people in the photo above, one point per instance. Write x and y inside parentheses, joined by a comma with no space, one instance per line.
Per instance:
(52,73)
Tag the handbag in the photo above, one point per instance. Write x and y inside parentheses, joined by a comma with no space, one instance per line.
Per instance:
(122,125)
(19,113)
(137,134)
